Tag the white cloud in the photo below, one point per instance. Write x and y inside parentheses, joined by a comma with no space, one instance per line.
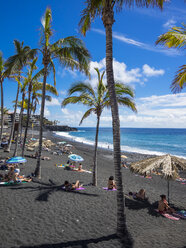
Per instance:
(150,71)
(142,45)
(169,24)
(54,102)
(123,74)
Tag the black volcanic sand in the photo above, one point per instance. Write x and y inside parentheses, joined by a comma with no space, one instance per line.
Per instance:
(41,214)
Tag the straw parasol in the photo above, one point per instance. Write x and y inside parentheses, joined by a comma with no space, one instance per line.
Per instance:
(168,164)
(123,156)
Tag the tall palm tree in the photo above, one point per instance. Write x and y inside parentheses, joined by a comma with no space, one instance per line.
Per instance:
(34,88)
(5,112)
(23,86)
(97,99)
(71,53)
(105,10)
(176,38)
(15,64)
(2,77)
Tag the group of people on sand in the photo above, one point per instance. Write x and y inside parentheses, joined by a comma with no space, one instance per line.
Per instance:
(13,175)
(163,206)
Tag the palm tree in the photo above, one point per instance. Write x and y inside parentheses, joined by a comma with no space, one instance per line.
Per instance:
(15,64)
(2,77)
(5,112)
(176,38)
(97,99)
(105,10)
(71,53)
(34,89)
(23,86)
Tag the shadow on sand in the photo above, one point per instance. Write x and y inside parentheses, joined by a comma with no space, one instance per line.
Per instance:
(46,189)
(128,243)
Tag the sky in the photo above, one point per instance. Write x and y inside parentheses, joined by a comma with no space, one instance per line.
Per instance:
(137,61)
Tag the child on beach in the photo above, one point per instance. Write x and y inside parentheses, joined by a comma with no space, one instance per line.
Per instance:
(111,183)
(163,206)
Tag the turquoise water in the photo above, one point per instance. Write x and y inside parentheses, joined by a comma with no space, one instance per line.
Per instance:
(156,141)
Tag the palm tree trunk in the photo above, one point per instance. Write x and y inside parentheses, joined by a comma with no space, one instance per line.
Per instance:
(38,166)
(19,125)
(94,177)
(121,219)
(2,113)
(27,120)
(13,122)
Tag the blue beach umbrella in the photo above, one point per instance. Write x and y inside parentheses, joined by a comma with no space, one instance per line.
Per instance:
(16,160)
(75,158)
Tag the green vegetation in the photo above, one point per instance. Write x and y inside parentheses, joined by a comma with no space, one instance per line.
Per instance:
(176,38)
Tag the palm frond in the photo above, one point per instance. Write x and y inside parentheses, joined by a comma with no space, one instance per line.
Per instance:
(86,114)
(175,37)
(52,66)
(51,89)
(179,81)
(80,87)
(125,101)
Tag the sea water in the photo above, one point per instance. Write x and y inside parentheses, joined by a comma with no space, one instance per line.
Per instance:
(155,141)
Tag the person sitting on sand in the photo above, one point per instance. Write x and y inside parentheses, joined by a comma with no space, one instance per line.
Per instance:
(11,176)
(80,168)
(111,183)
(141,194)
(123,164)
(163,205)
(72,186)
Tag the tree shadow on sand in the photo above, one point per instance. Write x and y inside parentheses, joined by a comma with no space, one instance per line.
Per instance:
(46,189)
(128,243)
(138,205)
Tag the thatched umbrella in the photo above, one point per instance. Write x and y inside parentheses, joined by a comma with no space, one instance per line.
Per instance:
(169,166)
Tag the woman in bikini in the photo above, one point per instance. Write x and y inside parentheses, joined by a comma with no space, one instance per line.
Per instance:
(163,205)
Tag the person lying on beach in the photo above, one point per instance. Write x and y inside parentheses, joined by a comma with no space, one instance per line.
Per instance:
(163,205)
(72,186)
(24,179)
(138,195)
(111,183)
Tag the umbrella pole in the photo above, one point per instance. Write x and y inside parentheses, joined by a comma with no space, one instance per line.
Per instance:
(168,189)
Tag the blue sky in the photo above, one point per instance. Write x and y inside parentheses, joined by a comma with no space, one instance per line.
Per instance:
(149,69)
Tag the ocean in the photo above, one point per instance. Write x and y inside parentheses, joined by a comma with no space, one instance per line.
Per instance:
(154,141)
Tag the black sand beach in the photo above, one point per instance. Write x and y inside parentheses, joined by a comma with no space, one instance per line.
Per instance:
(41,214)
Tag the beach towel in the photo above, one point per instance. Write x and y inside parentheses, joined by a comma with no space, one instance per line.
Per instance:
(86,171)
(180,214)
(12,183)
(168,216)
(80,188)
(105,188)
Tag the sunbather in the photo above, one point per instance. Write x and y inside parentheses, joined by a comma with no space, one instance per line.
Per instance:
(138,195)
(111,183)
(163,205)
(72,186)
